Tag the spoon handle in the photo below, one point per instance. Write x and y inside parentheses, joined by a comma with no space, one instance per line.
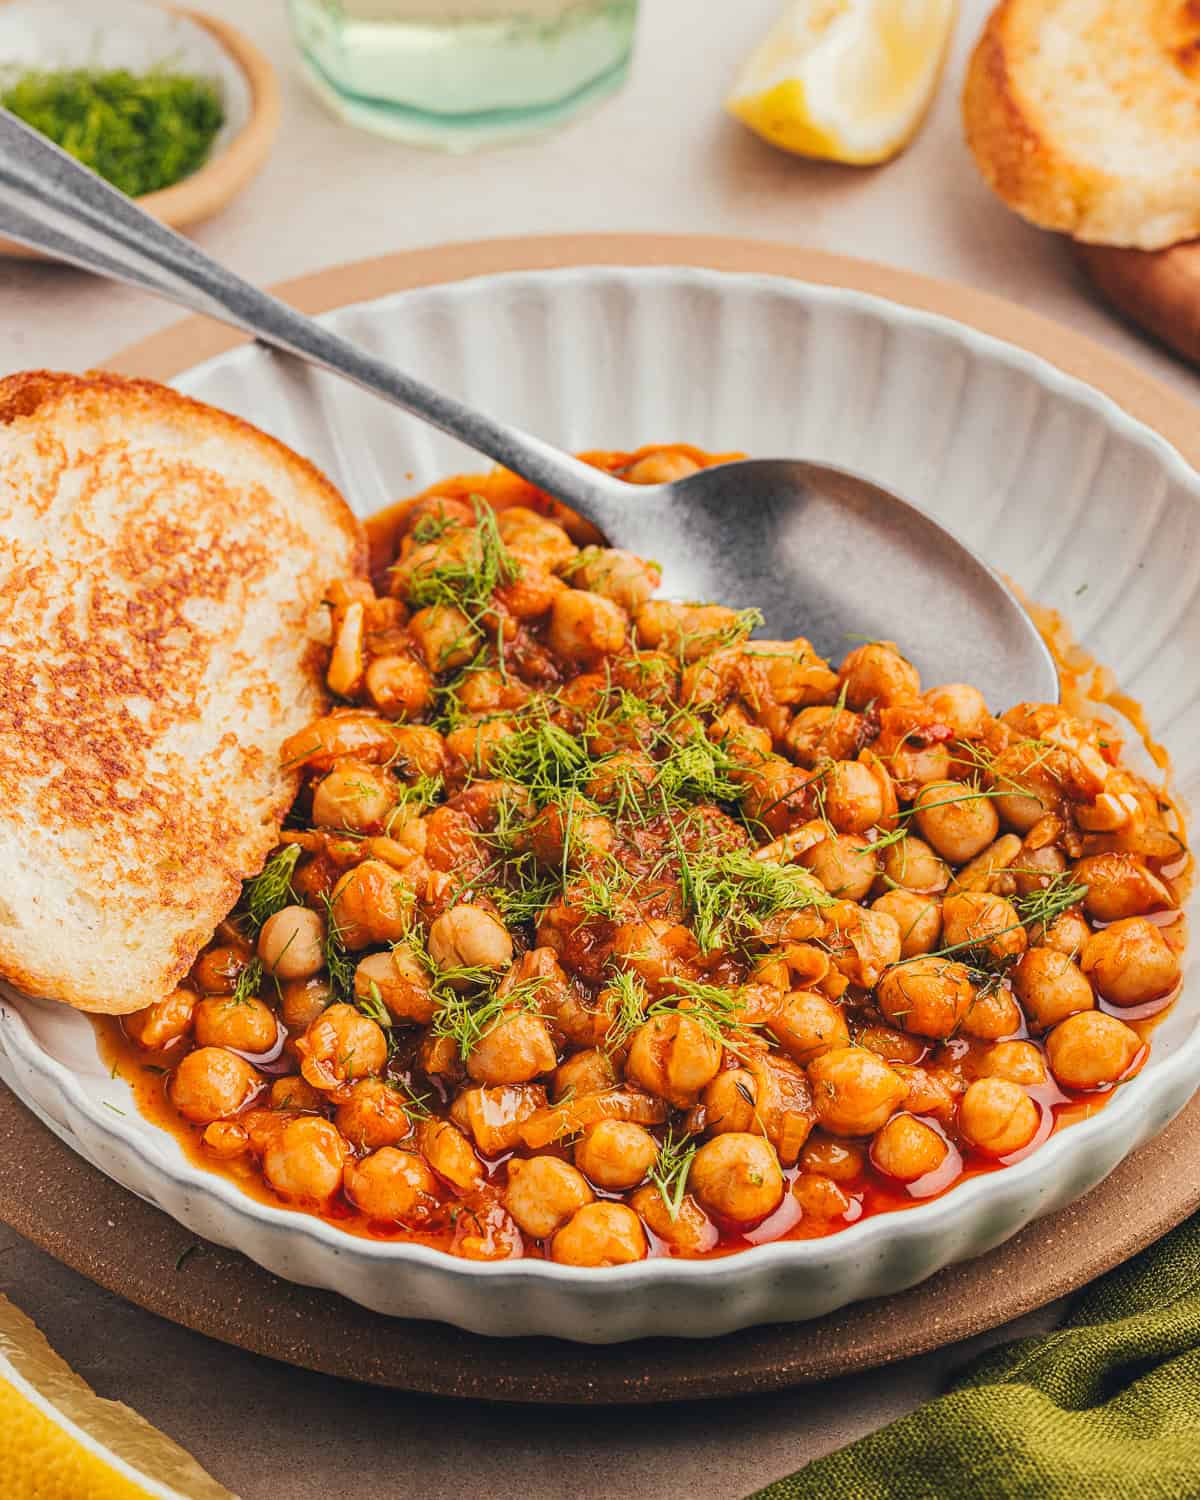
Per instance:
(51,203)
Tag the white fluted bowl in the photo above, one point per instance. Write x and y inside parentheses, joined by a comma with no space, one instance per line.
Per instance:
(1052,483)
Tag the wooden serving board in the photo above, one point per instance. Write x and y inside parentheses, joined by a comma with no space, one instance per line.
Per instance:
(75,1213)
(1159,290)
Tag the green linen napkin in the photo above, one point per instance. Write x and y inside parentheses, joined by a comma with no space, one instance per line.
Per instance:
(1106,1406)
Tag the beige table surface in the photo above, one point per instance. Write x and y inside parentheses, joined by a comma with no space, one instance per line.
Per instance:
(659,157)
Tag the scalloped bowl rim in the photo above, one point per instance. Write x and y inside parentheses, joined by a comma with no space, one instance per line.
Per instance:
(1161,1076)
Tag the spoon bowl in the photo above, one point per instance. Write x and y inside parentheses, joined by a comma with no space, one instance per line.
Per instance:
(822,553)
(826,554)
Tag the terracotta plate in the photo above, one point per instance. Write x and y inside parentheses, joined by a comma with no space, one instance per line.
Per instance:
(76,1214)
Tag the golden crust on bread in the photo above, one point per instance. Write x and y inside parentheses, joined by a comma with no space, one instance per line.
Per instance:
(161,571)
(1084,116)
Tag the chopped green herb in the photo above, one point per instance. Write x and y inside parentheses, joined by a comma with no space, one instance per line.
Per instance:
(271,889)
(140,131)
(670,1172)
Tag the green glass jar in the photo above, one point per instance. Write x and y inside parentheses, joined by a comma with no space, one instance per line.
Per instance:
(463,73)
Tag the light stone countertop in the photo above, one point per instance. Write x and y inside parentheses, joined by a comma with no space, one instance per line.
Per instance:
(660,157)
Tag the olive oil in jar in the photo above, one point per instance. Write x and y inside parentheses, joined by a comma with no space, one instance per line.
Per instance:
(463,73)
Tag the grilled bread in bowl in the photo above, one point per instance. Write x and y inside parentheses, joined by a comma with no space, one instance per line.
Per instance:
(162,566)
(1084,116)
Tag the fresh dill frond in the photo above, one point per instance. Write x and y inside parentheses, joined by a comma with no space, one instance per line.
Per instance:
(371,1005)
(716,1008)
(731,895)
(271,889)
(417,797)
(468,1018)
(248,983)
(669,1173)
(626,1003)
(339,966)
(545,759)
(1045,905)
(697,770)
(468,580)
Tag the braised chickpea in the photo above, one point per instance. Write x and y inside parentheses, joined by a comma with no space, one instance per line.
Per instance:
(1019,1062)
(962,707)
(1092,1050)
(543,1193)
(994,1014)
(685,631)
(620,576)
(292,943)
(469,937)
(1033,869)
(845,865)
(371,904)
(217,970)
(820,1197)
(303,1161)
(517,1049)
(1066,934)
(854,1091)
(371,1114)
(821,734)
(655,949)
(585,628)
(213,1084)
(877,673)
(399,686)
(1050,986)
(295,1094)
(907,1148)
(957,822)
(997,1117)
(913,866)
(985,922)
(393,1186)
(479,744)
(586,1072)
(600,1234)
(616,1155)
(807,1024)
(165,1022)
(341,1045)
(918,917)
(690,1232)
(301,1001)
(401,981)
(853,797)
(891,1045)
(450,1154)
(1119,885)
(1130,963)
(842,1161)
(737,1177)
(927,996)
(353,796)
(244,1025)
(445,637)
(660,467)
(730,1101)
(673,1056)
(535,539)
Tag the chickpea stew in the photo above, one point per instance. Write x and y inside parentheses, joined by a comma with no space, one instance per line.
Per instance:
(604,928)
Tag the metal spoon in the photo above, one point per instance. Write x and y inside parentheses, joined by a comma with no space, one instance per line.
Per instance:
(819,551)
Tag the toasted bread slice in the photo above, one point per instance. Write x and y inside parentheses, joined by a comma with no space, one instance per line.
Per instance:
(161,573)
(1084,116)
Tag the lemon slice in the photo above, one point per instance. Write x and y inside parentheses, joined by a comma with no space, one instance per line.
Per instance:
(847,80)
(60,1441)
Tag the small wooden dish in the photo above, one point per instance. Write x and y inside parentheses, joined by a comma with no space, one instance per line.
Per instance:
(1157,289)
(236,161)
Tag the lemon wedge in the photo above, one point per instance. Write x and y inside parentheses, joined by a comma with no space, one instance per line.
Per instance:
(60,1441)
(846,80)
